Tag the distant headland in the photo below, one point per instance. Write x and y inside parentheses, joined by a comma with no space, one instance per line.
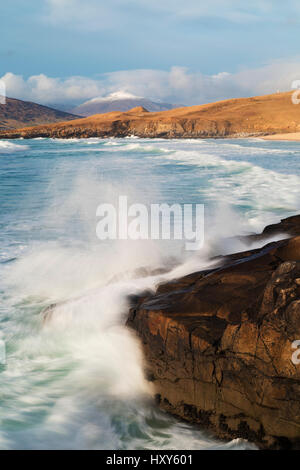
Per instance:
(258,116)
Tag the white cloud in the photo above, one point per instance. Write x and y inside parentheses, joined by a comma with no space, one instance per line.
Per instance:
(43,89)
(177,85)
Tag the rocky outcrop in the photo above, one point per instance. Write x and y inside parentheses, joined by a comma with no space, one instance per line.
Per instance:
(244,117)
(218,343)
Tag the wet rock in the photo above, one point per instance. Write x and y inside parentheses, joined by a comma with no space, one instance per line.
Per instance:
(218,344)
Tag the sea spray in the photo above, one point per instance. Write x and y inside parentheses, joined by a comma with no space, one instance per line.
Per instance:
(10,147)
(76,378)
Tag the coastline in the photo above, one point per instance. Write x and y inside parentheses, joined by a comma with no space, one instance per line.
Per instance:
(260,116)
(292,137)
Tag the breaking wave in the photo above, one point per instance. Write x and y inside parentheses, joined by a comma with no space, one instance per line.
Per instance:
(10,147)
(74,376)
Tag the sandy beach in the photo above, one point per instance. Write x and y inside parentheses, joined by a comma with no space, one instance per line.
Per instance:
(293,136)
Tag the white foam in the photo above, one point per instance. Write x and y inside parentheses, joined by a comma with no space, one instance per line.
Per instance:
(76,380)
(243,183)
(10,147)
(144,148)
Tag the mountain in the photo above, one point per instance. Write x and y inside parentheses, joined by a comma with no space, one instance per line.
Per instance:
(17,113)
(119,101)
(242,117)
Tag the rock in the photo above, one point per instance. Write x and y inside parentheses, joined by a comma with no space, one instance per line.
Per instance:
(290,225)
(218,344)
(242,117)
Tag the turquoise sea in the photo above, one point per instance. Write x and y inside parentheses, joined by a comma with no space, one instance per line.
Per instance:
(76,380)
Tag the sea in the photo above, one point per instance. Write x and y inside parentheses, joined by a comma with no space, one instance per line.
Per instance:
(73,378)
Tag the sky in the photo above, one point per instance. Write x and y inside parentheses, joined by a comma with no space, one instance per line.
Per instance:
(180,51)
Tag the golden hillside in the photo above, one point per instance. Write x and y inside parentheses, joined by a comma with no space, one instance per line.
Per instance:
(242,117)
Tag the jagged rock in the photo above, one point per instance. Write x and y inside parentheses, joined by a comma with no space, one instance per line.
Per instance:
(218,344)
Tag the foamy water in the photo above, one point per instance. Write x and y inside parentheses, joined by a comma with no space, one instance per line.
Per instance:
(10,147)
(75,380)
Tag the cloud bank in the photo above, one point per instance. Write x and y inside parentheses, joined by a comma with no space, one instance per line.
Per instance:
(177,85)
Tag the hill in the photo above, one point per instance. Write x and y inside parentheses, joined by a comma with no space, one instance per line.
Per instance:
(241,117)
(16,113)
(119,102)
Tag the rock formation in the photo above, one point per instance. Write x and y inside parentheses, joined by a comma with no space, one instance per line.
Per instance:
(244,117)
(218,343)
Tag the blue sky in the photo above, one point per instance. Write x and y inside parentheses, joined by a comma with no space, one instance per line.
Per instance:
(97,40)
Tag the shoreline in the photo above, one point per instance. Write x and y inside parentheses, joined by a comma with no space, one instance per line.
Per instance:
(290,137)
(287,137)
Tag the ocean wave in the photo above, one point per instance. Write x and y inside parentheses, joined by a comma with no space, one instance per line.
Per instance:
(111,143)
(257,150)
(66,141)
(75,376)
(144,148)
(133,148)
(260,191)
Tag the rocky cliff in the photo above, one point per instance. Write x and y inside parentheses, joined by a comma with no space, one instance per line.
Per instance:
(218,343)
(258,116)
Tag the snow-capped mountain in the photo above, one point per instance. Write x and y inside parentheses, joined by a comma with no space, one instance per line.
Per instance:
(119,101)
